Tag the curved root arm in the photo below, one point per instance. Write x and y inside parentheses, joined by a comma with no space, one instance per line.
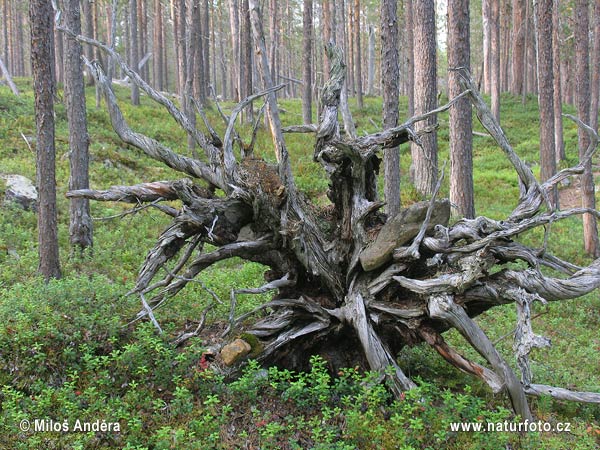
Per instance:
(442,307)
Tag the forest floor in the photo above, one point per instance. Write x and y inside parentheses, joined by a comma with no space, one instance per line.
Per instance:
(69,353)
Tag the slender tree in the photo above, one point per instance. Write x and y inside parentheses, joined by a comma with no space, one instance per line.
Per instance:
(461,129)
(245,46)
(543,32)
(582,100)
(494,67)
(559,143)
(41,18)
(410,72)
(133,23)
(424,157)
(307,44)
(358,56)
(390,74)
(595,69)
(518,46)
(371,62)
(80,225)
(157,59)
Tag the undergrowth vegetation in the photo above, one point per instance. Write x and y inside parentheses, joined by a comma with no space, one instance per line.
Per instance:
(69,352)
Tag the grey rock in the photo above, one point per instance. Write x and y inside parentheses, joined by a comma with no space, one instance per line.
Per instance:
(20,190)
(401,229)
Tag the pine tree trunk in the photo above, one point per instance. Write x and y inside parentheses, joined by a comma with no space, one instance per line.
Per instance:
(461,129)
(495,57)
(424,159)
(558,97)
(545,65)
(390,82)
(518,46)
(358,56)
(371,62)
(80,225)
(307,45)
(157,50)
(41,22)
(582,100)
(135,58)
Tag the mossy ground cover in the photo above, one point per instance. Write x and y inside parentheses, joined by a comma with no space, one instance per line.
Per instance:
(68,351)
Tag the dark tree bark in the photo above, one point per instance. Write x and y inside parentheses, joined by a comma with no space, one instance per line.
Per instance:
(41,19)
(582,100)
(80,224)
(390,74)
(307,72)
(461,129)
(424,157)
(545,67)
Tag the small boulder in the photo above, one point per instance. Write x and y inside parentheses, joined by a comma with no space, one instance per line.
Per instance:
(234,351)
(401,229)
(20,190)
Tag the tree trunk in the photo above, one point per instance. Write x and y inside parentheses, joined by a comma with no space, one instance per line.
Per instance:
(582,100)
(340,39)
(205,57)
(390,82)
(196,39)
(487,45)
(371,62)
(5,34)
(307,45)
(358,56)
(495,57)
(559,143)
(157,50)
(328,35)
(246,69)
(424,157)
(410,51)
(461,129)
(135,91)
(80,225)
(88,17)
(41,19)
(518,46)
(543,31)
(595,69)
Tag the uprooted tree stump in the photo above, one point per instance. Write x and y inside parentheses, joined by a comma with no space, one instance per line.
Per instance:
(350,283)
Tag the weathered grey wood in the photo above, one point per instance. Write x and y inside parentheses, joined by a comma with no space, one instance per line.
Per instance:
(8,78)
(562,394)
(442,306)
(378,356)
